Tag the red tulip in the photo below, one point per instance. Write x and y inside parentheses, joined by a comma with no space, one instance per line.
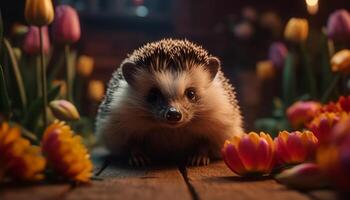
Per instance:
(331,107)
(338,26)
(302,112)
(334,159)
(277,54)
(295,147)
(66,25)
(249,154)
(31,43)
(322,125)
(344,103)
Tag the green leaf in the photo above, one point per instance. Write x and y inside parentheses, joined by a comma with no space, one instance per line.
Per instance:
(289,82)
(5,107)
(17,73)
(32,116)
(309,72)
(1,30)
(55,67)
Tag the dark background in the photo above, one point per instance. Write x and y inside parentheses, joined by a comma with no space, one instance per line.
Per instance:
(113,28)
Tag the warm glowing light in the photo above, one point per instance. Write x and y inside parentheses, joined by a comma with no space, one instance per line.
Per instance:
(311,2)
(312,6)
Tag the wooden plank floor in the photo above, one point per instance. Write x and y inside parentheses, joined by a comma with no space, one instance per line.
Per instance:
(116,180)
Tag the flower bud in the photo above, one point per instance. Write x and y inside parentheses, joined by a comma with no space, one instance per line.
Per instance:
(265,70)
(296,30)
(341,61)
(85,65)
(19,29)
(302,112)
(66,26)
(31,43)
(39,12)
(96,90)
(338,26)
(64,110)
(277,54)
(302,176)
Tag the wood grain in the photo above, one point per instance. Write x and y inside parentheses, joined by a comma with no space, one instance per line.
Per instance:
(216,181)
(122,182)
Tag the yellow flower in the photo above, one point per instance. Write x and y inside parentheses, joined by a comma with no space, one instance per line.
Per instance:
(39,12)
(265,70)
(18,159)
(341,61)
(96,90)
(85,65)
(65,152)
(296,30)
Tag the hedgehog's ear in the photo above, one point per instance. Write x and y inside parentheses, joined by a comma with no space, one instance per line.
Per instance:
(129,70)
(213,66)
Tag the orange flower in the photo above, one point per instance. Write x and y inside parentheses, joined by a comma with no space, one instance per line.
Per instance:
(18,159)
(96,90)
(295,147)
(302,112)
(334,159)
(249,153)
(296,30)
(65,152)
(322,125)
(341,61)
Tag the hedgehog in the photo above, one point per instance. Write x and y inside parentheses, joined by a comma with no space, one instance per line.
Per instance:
(168,100)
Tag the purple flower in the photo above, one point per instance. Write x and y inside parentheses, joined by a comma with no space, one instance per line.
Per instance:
(338,26)
(277,54)
(66,25)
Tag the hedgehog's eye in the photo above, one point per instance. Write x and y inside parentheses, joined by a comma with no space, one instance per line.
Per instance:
(154,95)
(191,93)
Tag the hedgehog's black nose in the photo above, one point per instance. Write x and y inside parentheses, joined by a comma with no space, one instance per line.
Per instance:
(173,115)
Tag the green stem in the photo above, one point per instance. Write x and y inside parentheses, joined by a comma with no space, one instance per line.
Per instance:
(69,74)
(331,48)
(17,74)
(43,76)
(309,72)
(38,77)
(330,88)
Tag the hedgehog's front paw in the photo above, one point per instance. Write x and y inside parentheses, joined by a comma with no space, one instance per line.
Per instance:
(138,160)
(198,160)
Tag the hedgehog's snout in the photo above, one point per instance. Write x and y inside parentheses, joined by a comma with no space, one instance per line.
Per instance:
(172,115)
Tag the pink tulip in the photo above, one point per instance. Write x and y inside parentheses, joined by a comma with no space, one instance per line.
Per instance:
(303,176)
(334,159)
(249,154)
(277,54)
(338,26)
(302,112)
(31,43)
(295,147)
(66,25)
